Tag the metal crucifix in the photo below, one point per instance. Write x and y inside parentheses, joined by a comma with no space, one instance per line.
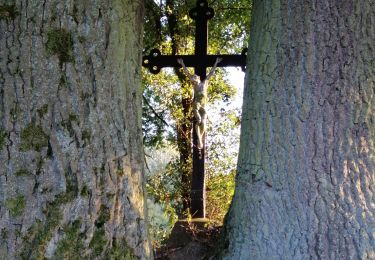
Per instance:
(199,61)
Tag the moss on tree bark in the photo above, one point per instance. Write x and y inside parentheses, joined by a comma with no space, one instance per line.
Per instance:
(70,111)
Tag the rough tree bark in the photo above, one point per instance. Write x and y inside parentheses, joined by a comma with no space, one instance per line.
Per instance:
(306,170)
(71,176)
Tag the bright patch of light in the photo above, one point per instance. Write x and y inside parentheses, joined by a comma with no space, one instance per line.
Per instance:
(236,78)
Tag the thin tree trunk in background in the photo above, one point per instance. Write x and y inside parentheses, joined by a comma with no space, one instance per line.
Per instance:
(183,125)
(71,156)
(184,148)
(306,172)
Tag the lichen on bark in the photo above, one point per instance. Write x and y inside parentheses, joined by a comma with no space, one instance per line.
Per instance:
(40,234)
(99,241)
(3,136)
(71,246)
(22,172)
(43,110)
(60,43)
(120,250)
(85,192)
(16,205)
(33,138)
(8,11)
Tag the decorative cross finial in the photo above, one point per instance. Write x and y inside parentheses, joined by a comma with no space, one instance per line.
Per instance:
(200,60)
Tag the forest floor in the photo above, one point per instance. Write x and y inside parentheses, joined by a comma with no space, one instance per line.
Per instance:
(190,240)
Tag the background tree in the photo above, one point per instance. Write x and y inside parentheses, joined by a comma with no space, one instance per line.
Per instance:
(306,170)
(71,177)
(168,95)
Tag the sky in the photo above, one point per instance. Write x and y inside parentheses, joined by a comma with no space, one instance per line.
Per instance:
(236,78)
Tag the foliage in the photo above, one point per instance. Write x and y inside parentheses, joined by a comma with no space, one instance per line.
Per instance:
(165,186)
(164,183)
(230,25)
(222,146)
(220,190)
(169,28)
(162,218)
(163,190)
(160,99)
(227,29)
(167,112)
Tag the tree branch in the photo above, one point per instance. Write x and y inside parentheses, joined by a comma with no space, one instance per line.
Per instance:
(153,111)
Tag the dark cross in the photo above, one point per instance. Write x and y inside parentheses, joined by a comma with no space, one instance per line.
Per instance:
(200,61)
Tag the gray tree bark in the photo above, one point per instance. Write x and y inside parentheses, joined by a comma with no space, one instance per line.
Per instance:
(306,170)
(71,176)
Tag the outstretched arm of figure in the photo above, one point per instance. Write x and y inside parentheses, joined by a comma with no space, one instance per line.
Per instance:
(211,73)
(181,62)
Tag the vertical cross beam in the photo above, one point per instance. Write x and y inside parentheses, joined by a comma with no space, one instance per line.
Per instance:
(201,14)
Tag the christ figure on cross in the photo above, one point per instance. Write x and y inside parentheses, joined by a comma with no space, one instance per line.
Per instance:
(200,99)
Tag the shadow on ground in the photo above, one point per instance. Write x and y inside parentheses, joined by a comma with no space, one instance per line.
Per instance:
(191,240)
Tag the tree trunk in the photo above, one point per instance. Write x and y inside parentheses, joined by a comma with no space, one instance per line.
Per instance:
(71,177)
(306,170)
(184,124)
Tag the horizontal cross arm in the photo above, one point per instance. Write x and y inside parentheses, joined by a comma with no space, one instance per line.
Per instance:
(234,60)
(155,61)
(154,64)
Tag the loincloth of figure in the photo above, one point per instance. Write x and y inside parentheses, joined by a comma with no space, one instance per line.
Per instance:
(199,101)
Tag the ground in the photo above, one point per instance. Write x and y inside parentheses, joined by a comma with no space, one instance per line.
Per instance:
(189,240)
